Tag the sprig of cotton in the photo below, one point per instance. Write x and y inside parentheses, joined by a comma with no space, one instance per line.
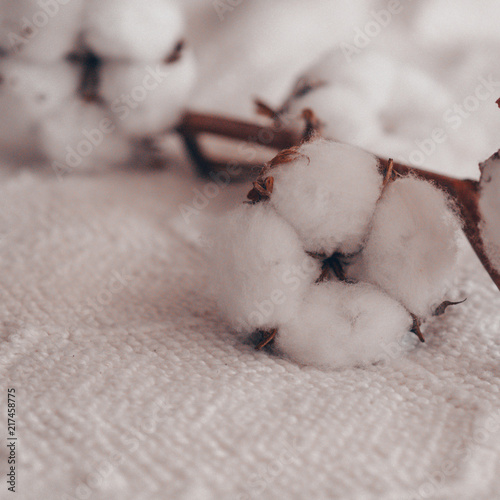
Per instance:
(398,241)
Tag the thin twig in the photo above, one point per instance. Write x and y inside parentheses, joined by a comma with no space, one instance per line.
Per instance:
(273,137)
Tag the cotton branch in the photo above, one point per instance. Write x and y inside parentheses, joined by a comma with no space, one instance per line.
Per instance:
(464,192)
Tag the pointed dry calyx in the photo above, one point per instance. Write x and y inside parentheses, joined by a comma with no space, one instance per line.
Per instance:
(441,309)
(263,185)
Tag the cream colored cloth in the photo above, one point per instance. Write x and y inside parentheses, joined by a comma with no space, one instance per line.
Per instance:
(130,387)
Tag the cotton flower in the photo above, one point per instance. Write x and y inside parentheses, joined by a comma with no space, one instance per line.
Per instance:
(341,325)
(259,268)
(327,192)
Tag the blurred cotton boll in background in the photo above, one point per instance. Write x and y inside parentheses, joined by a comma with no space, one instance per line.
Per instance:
(259,47)
(28,94)
(69,67)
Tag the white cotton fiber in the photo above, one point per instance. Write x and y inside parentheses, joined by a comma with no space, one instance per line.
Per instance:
(134,30)
(413,245)
(342,325)
(39,31)
(37,88)
(147,98)
(259,268)
(328,194)
(489,205)
(82,136)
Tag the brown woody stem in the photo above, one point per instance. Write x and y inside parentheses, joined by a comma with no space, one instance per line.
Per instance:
(276,137)
(465,192)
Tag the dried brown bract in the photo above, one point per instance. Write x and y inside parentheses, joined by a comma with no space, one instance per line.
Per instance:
(441,309)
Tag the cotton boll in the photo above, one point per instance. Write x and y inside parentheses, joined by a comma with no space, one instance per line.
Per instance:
(342,325)
(259,268)
(82,136)
(489,205)
(147,98)
(38,89)
(39,31)
(128,29)
(412,247)
(328,194)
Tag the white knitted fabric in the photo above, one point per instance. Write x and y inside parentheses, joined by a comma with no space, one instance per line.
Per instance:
(129,386)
